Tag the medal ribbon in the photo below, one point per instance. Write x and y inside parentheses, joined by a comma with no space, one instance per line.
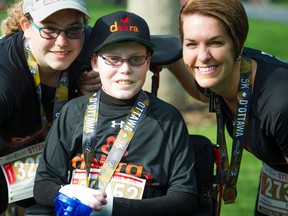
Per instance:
(230,173)
(61,96)
(121,143)
(89,131)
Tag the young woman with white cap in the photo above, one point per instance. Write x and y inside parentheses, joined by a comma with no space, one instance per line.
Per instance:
(39,66)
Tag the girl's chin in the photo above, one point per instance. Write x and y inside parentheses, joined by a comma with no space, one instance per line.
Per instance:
(59,67)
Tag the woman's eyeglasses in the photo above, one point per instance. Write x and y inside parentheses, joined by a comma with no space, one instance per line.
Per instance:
(49,32)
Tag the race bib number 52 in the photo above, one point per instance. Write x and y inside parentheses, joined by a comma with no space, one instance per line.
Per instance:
(20,169)
(121,185)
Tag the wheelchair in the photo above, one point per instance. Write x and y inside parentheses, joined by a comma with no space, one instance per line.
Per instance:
(207,158)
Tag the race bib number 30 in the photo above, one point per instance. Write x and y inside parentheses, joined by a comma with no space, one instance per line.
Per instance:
(273,194)
(121,185)
(20,169)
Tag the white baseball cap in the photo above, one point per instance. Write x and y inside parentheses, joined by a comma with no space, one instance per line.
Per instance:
(41,9)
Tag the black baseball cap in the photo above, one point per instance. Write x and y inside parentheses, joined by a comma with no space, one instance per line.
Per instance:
(120,26)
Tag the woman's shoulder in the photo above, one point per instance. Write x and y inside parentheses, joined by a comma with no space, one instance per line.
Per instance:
(264,57)
(14,40)
(13,65)
(12,46)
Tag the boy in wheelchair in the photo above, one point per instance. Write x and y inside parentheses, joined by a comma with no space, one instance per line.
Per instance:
(140,143)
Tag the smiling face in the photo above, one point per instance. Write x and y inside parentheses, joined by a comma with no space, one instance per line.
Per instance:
(124,81)
(55,54)
(208,52)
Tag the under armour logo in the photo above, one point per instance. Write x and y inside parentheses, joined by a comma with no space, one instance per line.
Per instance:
(114,124)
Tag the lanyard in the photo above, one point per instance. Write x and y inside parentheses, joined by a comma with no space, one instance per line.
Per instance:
(122,141)
(230,173)
(61,96)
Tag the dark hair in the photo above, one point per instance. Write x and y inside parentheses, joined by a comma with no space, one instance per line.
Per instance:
(230,12)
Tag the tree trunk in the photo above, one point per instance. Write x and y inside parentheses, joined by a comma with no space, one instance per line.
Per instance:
(162,18)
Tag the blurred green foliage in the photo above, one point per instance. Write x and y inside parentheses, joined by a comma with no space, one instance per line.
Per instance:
(270,37)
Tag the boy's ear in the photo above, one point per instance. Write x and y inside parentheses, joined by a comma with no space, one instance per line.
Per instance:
(94,64)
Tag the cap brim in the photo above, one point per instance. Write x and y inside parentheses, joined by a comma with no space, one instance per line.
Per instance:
(149,44)
(48,10)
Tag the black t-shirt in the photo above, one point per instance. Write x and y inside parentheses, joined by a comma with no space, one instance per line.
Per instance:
(20,123)
(158,152)
(266,135)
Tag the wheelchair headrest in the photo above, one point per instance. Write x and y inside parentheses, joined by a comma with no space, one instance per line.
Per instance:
(168,49)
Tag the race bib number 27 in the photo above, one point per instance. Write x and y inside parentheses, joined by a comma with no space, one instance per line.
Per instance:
(273,194)
(20,169)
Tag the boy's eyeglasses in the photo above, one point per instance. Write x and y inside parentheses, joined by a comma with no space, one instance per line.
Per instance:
(49,32)
(118,61)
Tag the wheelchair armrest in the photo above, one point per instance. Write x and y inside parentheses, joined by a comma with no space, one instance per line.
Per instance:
(39,210)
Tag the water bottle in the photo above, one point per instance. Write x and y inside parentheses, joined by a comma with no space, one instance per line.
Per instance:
(66,206)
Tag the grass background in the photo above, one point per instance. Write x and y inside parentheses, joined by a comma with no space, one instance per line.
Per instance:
(270,37)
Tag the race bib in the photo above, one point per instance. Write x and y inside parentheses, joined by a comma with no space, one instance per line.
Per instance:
(20,169)
(121,185)
(273,193)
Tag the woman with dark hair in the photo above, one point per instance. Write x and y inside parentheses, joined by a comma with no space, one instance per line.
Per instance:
(248,88)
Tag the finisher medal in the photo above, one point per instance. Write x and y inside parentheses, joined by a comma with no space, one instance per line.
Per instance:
(229,194)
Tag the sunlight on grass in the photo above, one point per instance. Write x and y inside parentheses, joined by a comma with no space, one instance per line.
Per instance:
(270,37)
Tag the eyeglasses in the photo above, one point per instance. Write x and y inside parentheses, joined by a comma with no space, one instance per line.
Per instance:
(49,32)
(118,61)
